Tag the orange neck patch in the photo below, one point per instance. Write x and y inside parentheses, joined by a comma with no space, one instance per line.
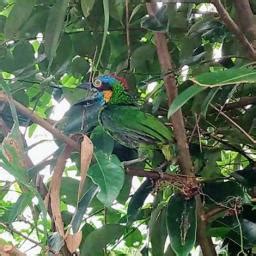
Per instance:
(107,95)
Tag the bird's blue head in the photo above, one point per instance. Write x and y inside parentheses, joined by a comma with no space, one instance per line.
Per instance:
(111,87)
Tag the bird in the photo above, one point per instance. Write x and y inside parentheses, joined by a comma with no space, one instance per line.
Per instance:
(124,121)
(109,105)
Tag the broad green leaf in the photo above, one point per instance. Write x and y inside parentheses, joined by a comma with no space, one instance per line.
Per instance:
(17,17)
(69,190)
(84,44)
(133,238)
(208,101)
(142,56)
(108,174)
(54,27)
(181,224)
(138,199)
(226,77)
(98,239)
(225,189)
(125,191)
(158,230)
(102,141)
(219,231)
(210,80)
(183,98)
(23,55)
(87,6)
(82,205)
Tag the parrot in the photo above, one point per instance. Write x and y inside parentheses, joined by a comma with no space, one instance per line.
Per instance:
(123,120)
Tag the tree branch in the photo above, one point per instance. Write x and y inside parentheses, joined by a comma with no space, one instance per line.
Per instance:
(184,158)
(246,19)
(242,102)
(232,26)
(36,119)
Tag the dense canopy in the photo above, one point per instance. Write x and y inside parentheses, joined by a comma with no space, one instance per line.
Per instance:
(170,169)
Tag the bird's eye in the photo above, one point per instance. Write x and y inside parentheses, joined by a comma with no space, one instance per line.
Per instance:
(97,83)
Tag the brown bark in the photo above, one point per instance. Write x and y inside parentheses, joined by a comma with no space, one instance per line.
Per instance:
(246,20)
(242,102)
(234,28)
(184,158)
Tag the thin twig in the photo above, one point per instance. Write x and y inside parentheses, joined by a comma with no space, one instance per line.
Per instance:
(248,136)
(232,26)
(127,27)
(12,230)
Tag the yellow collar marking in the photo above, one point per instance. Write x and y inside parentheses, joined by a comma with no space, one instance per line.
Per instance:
(107,95)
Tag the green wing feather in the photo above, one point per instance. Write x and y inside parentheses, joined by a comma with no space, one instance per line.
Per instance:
(130,126)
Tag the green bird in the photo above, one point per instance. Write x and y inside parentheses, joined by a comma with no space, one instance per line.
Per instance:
(125,122)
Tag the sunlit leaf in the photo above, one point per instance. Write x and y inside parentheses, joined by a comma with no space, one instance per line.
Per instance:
(108,174)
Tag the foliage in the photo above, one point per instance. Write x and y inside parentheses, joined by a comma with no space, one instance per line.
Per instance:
(49,48)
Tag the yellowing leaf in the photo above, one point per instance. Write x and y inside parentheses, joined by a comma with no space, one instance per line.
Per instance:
(86,157)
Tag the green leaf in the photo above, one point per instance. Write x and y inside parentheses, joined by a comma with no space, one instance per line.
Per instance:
(116,9)
(54,27)
(17,17)
(181,224)
(17,208)
(226,77)
(87,6)
(158,230)
(97,240)
(138,199)
(213,79)
(133,238)
(82,205)
(102,141)
(23,54)
(183,98)
(143,56)
(125,191)
(108,174)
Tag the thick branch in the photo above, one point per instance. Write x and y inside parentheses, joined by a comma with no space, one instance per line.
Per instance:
(36,119)
(159,175)
(244,101)
(246,19)
(171,90)
(232,26)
